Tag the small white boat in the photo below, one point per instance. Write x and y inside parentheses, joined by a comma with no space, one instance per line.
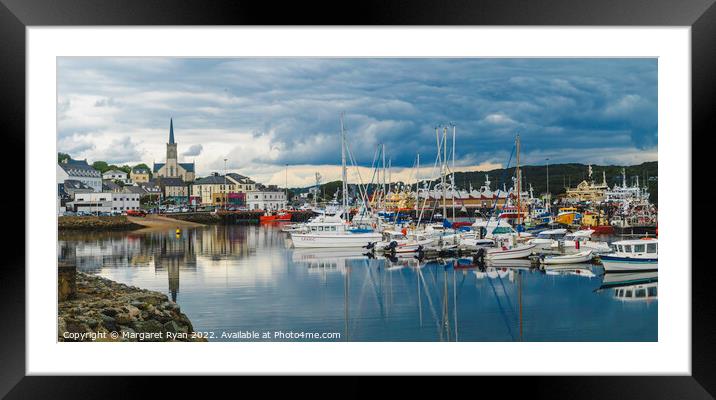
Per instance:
(510,253)
(399,242)
(581,257)
(632,255)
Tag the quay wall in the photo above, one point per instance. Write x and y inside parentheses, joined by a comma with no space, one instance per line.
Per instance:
(233,217)
(93,222)
(100,309)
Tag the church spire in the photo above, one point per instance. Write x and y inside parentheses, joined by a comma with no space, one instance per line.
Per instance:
(171,131)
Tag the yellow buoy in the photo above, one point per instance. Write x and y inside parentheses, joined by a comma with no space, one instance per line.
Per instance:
(178,231)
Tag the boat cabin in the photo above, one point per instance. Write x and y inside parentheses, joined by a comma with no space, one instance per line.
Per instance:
(553,234)
(640,248)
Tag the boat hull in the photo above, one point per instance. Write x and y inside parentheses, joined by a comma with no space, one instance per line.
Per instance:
(334,241)
(616,264)
(510,254)
(569,259)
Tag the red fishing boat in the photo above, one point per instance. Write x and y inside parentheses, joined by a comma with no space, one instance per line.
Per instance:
(276,217)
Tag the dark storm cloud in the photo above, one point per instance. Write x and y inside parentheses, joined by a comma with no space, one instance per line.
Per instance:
(554,104)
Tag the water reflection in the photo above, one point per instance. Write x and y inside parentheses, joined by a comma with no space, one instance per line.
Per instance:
(246,278)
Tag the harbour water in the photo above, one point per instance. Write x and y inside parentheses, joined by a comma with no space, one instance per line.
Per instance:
(236,280)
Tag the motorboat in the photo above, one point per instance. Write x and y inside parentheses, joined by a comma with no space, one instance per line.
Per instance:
(402,242)
(507,249)
(581,257)
(632,255)
(545,239)
(332,231)
(578,241)
(275,216)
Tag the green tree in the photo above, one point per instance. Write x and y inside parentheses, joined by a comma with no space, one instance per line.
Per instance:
(100,166)
(63,156)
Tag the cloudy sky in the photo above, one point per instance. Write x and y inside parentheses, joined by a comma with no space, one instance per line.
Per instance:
(264,113)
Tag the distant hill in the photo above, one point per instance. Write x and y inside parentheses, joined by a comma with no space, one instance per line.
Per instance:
(560,176)
(563,175)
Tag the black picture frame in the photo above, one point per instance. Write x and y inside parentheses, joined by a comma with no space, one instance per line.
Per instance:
(16,15)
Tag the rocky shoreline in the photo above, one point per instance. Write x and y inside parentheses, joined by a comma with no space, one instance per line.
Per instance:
(93,222)
(103,310)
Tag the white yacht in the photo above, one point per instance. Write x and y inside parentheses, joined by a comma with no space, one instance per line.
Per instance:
(545,239)
(579,241)
(632,255)
(331,231)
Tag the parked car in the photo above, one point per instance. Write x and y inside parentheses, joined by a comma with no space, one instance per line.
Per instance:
(137,213)
(68,213)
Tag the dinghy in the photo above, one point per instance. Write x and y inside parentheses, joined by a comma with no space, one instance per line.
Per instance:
(581,257)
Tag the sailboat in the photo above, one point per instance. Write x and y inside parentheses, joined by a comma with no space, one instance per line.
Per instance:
(332,230)
(507,245)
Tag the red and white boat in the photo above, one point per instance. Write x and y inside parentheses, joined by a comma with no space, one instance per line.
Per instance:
(275,217)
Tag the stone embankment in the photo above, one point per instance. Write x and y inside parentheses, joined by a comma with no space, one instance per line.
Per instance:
(93,222)
(92,308)
(234,217)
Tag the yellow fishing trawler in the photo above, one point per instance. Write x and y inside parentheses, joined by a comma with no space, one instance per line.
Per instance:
(593,219)
(567,215)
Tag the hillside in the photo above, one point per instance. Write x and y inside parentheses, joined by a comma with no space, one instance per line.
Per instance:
(560,175)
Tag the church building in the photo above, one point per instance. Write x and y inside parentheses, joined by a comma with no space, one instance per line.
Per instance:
(172,168)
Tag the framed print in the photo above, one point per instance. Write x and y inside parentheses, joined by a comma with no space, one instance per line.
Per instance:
(343,200)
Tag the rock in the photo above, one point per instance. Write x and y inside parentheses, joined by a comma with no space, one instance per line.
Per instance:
(133,312)
(109,323)
(123,319)
(150,326)
(175,327)
(103,306)
(110,312)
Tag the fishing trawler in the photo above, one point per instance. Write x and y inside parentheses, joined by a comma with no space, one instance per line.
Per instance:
(567,216)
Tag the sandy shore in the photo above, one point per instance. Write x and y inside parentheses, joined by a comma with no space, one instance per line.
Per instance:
(157,222)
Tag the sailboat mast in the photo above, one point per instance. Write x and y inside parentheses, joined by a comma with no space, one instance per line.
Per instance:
(519,184)
(444,170)
(344,172)
(453,171)
(417,184)
(383,189)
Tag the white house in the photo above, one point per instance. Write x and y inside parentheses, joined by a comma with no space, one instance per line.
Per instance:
(266,200)
(115,174)
(104,202)
(79,170)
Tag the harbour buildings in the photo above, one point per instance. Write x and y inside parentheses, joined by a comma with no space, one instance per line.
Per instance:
(139,175)
(270,198)
(116,175)
(79,170)
(103,202)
